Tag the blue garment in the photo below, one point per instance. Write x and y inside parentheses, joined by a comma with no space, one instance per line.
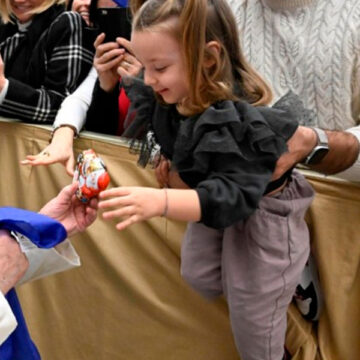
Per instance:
(44,232)
(121,3)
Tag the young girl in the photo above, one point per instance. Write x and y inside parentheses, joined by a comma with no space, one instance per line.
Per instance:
(238,242)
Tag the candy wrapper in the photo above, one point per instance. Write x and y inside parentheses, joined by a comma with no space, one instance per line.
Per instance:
(92,175)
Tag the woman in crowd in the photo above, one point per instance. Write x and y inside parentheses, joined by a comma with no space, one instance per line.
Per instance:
(45,53)
(96,98)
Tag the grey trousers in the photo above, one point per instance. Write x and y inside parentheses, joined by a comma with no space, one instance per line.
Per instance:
(256,264)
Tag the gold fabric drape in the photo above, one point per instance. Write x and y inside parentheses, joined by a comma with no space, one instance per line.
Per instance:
(128,301)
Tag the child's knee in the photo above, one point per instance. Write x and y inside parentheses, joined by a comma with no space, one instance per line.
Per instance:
(207,284)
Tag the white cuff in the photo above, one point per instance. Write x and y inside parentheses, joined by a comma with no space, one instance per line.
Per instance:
(44,262)
(353,173)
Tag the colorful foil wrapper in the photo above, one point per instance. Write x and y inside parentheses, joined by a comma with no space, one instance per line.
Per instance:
(92,175)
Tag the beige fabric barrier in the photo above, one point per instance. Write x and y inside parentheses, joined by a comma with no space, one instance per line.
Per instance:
(127,301)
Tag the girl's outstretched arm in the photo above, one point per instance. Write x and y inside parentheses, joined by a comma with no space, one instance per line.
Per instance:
(135,204)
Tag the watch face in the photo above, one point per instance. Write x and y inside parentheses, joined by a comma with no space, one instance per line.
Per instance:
(319,153)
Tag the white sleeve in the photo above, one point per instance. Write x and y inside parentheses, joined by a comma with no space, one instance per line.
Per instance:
(7,319)
(44,262)
(75,106)
(353,173)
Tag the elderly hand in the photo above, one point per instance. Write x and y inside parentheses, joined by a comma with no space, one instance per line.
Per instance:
(70,211)
(60,150)
(13,263)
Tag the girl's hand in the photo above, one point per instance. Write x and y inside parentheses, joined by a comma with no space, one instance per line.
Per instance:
(132,204)
(108,57)
(129,65)
(2,74)
(60,150)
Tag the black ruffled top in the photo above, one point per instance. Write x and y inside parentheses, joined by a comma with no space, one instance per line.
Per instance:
(228,153)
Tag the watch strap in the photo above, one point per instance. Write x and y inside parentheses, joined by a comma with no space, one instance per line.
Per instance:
(321,136)
(321,148)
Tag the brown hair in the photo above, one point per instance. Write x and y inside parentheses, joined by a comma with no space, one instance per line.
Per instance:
(198,23)
(6,11)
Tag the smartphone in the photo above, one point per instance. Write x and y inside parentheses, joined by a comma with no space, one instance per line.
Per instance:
(114,22)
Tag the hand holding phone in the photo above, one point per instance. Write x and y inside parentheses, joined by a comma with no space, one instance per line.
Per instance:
(114,22)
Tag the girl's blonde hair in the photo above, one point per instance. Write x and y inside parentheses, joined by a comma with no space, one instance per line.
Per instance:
(135,5)
(6,11)
(198,23)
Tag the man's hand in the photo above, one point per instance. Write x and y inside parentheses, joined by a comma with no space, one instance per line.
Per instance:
(343,152)
(299,146)
(13,263)
(70,211)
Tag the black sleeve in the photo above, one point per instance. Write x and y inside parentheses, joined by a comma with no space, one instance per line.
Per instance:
(228,155)
(103,113)
(233,192)
(67,63)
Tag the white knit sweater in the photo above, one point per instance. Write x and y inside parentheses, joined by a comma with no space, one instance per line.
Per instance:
(311,47)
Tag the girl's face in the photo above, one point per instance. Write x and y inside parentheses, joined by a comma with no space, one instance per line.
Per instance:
(164,65)
(82,7)
(21,9)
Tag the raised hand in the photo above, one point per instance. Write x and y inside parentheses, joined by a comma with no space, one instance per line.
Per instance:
(129,65)
(106,61)
(60,150)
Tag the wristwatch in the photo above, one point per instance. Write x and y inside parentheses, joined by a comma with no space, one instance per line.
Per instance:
(320,150)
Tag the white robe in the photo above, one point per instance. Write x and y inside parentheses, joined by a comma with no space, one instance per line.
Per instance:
(42,262)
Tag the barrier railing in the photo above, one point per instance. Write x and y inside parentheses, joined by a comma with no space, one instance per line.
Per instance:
(128,301)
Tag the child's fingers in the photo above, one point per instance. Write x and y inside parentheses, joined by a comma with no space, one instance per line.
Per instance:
(124,224)
(117,191)
(118,201)
(117,213)
(128,222)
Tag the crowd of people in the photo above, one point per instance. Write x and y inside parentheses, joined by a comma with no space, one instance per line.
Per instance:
(230,96)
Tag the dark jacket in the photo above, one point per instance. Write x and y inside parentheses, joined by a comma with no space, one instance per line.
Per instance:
(44,63)
(103,113)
